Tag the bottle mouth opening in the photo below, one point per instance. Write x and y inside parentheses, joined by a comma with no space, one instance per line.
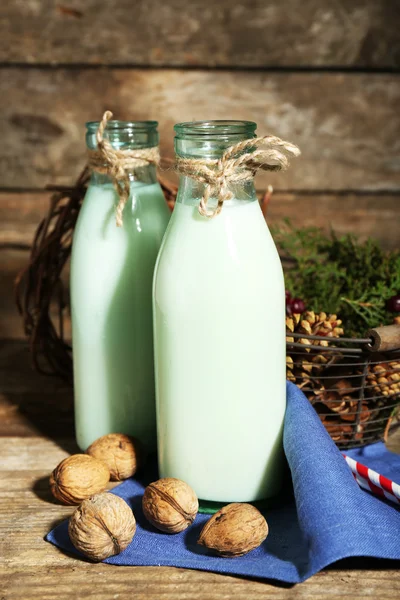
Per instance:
(138,126)
(210,129)
(209,139)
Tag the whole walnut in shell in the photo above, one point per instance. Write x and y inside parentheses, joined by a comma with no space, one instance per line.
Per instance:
(119,452)
(102,526)
(78,477)
(234,530)
(170,505)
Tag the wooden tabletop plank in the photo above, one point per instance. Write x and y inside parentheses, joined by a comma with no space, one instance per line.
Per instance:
(348,141)
(152,583)
(18,377)
(201,33)
(34,569)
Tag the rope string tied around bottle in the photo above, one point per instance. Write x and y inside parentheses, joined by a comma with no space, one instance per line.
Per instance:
(118,164)
(238,164)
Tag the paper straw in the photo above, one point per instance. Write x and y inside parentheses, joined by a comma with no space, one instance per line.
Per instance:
(374,482)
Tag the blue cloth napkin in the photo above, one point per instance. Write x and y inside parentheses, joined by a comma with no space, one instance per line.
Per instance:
(328,519)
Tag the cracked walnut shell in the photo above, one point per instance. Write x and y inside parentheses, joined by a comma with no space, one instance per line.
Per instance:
(102,526)
(119,452)
(234,530)
(78,477)
(170,505)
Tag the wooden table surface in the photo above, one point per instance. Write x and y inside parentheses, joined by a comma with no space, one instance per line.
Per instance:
(36,432)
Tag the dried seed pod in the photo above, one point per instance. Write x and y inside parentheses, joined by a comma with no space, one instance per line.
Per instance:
(343,387)
(305,327)
(383,379)
(338,431)
(78,477)
(333,401)
(119,452)
(234,530)
(170,505)
(102,526)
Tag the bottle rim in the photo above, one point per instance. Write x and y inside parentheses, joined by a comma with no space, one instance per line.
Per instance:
(221,127)
(116,125)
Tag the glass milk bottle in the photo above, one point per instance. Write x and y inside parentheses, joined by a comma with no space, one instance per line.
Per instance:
(111,282)
(219,331)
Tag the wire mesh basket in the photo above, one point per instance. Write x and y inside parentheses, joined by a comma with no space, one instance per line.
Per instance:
(353,383)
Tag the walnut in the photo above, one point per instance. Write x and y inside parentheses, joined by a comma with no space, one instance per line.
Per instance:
(170,505)
(234,530)
(78,477)
(119,452)
(102,526)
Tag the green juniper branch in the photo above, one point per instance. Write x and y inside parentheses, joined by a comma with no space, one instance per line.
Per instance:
(339,275)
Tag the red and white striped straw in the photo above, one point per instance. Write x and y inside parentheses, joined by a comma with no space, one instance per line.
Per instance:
(374,482)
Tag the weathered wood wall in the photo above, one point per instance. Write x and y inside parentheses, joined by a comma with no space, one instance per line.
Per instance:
(324,75)
(345,124)
(247,33)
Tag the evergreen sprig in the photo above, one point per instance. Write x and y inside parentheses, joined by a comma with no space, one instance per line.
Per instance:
(339,275)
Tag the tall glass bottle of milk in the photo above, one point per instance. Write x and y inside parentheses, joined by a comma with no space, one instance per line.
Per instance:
(219,331)
(111,285)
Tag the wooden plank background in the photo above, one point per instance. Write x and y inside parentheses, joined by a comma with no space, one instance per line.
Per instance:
(323,75)
(345,125)
(255,33)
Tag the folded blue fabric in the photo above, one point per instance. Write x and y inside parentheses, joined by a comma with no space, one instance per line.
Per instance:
(330,517)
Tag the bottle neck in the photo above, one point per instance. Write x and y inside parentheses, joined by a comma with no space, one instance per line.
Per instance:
(191,191)
(145,175)
(125,136)
(208,141)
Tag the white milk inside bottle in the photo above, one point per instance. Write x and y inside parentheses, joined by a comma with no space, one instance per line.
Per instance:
(111,285)
(219,327)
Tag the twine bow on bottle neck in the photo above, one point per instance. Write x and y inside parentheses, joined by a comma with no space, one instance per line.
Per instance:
(117,164)
(238,163)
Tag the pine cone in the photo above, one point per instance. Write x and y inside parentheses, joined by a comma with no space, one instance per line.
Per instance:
(383,380)
(310,323)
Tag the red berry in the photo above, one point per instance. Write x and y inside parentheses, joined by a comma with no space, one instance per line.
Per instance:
(297,305)
(288,297)
(288,310)
(393,304)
